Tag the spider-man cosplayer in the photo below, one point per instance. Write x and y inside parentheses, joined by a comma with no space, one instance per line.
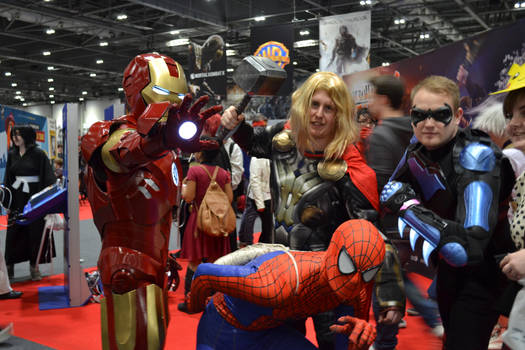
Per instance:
(254,301)
(455,199)
(132,181)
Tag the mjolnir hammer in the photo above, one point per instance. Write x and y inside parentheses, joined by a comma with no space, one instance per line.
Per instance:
(256,75)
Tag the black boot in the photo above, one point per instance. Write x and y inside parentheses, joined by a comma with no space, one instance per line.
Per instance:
(187,287)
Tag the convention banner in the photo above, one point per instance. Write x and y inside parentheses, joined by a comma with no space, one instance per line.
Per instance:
(276,42)
(344,42)
(9,117)
(207,67)
(479,65)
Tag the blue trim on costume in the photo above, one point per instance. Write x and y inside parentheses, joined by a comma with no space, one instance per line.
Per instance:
(389,190)
(453,253)
(427,231)
(429,183)
(478,157)
(478,199)
(244,311)
(402,162)
(235,271)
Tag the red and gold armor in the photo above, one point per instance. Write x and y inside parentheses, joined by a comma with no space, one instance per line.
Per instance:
(132,181)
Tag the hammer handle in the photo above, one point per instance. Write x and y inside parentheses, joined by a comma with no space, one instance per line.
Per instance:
(223,133)
(241,106)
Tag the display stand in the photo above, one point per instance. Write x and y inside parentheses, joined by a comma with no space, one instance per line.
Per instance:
(75,291)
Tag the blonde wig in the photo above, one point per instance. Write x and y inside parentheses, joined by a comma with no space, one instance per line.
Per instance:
(346,129)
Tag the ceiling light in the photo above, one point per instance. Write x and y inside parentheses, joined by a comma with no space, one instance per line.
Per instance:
(81,98)
(103,43)
(17,97)
(50,80)
(122,17)
(306,43)
(365,2)
(427,36)
(22,99)
(46,53)
(259,18)
(18,92)
(317,69)
(7,74)
(52,102)
(51,88)
(51,96)
(84,92)
(14,84)
(24,104)
(295,63)
(175,32)
(50,31)
(231,52)
(178,42)
(100,61)
(229,70)
(92,75)
(50,68)
(228,44)
(385,64)
(304,32)
(120,89)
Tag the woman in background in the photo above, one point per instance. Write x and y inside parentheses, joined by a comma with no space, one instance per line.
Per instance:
(198,246)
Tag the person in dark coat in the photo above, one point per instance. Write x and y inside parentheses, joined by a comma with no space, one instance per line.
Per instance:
(28,171)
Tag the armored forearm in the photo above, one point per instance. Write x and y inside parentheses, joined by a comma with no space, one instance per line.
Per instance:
(389,287)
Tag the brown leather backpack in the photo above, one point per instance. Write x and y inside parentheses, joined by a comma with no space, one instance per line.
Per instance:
(215,216)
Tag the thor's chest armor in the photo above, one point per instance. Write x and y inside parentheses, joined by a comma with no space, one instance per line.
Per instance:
(304,188)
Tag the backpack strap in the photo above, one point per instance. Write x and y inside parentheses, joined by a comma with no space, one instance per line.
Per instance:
(212,177)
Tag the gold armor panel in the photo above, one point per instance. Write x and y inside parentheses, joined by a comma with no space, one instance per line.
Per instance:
(163,86)
(283,141)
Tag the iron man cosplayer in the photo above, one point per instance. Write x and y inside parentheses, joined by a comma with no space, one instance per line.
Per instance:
(258,294)
(132,181)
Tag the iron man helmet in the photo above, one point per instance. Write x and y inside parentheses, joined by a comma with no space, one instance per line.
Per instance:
(151,78)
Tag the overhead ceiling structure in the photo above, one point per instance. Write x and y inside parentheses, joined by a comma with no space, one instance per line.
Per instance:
(66,50)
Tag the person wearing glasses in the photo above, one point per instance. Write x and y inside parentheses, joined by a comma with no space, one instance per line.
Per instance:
(448,190)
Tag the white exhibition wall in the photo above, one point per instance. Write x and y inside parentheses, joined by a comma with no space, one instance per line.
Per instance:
(89,112)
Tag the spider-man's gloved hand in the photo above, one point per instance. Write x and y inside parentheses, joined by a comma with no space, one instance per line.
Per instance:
(361,334)
(397,197)
(185,123)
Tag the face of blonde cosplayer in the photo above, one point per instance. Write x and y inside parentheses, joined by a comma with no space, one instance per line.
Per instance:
(431,133)
(323,115)
(516,126)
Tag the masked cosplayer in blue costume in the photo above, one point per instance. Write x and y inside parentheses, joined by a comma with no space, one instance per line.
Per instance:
(454,199)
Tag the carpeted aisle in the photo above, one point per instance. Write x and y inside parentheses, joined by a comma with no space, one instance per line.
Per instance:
(79,328)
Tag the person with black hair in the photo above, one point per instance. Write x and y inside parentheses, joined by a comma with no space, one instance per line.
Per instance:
(28,171)
(198,246)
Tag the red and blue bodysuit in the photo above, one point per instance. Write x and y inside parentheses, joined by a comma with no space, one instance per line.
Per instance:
(254,301)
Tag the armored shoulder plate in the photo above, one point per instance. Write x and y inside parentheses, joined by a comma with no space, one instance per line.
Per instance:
(283,141)
(332,170)
(477,157)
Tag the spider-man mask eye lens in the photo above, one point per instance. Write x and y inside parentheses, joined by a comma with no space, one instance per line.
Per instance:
(369,274)
(344,262)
